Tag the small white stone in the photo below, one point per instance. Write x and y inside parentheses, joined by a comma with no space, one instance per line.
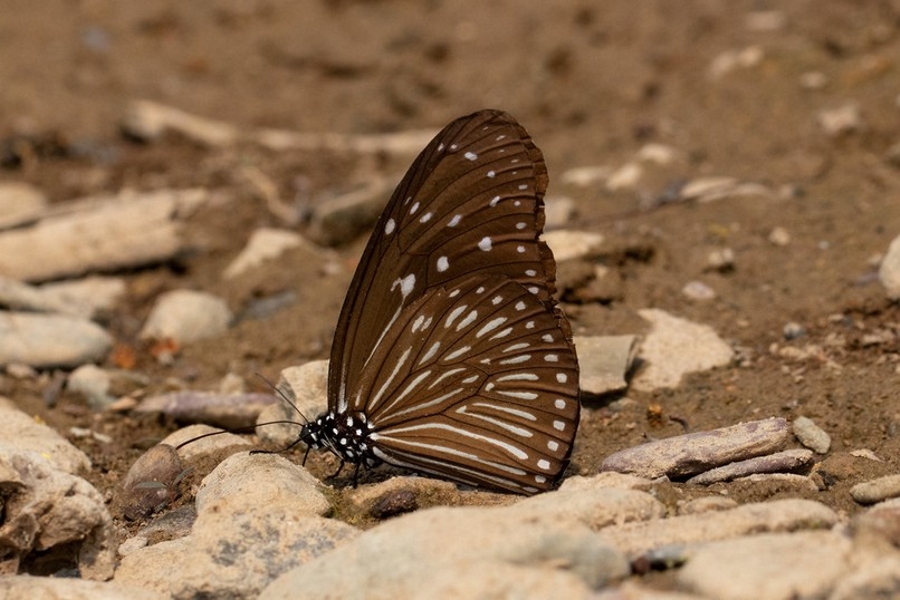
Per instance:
(187,316)
(658,154)
(568,243)
(780,236)
(697,290)
(265,244)
(889,271)
(842,120)
(625,177)
(721,259)
(811,435)
(813,80)
(585,176)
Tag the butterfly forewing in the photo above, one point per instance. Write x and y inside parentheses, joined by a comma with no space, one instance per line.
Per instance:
(478,383)
(470,204)
(450,356)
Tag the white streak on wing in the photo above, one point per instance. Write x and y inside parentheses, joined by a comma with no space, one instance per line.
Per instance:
(515,360)
(431,352)
(455,313)
(457,353)
(377,398)
(518,377)
(425,405)
(389,435)
(502,424)
(470,318)
(490,326)
(408,389)
(445,375)
(502,333)
(519,395)
(514,347)
(513,411)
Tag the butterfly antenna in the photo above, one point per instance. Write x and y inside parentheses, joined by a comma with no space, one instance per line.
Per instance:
(284,397)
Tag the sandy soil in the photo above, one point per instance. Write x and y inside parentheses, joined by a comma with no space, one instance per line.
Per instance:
(593,83)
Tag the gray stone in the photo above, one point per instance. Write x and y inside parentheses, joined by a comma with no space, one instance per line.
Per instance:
(48,340)
(25,587)
(693,453)
(778,462)
(604,361)
(400,559)
(54,514)
(224,410)
(203,440)
(257,517)
(567,243)
(185,316)
(675,347)
(889,270)
(876,490)
(778,566)
(21,432)
(305,385)
(811,435)
(264,244)
(639,537)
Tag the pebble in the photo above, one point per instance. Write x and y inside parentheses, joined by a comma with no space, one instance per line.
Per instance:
(339,220)
(196,445)
(151,483)
(88,296)
(813,80)
(567,243)
(765,21)
(793,330)
(889,270)
(778,462)
(51,515)
(229,411)
(264,244)
(840,121)
(186,316)
(306,387)
(50,340)
(625,177)
(639,537)
(501,554)
(558,211)
(20,431)
(100,234)
(604,361)
(675,347)
(731,60)
(258,516)
(585,176)
(689,454)
(721,259)
(93,383)
(706,187)
(24,587)
(20,203)
(658,154)
(699,291)
(780,237)
(876,490)
(774,566)
(811,435)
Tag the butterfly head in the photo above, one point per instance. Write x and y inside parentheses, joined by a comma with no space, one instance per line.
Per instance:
(346,436)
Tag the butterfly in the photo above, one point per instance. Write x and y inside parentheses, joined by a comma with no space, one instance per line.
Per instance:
(450,356)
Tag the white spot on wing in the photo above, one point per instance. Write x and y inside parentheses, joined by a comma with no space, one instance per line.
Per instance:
(457,353)
(470,318)
(494,201)
(490,326)
(562,377)
(454,314)
(491,174)
(543,464)
(471,156)
(390,226)
(443,264)
(485,243)
(425,218)
(515,360)
(414,208)
(454,221)
(559,403)
(553,445)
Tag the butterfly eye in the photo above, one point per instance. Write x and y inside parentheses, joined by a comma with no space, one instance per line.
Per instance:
(450,356)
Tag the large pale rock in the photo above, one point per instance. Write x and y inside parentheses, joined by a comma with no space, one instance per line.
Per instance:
(186,316)
(21,432)
(25,587)
(779,566)
(675,347)
(889,271)
(417,555)
(257,517)
(50,340)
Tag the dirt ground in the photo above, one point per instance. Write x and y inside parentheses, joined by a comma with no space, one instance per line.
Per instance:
(593,83)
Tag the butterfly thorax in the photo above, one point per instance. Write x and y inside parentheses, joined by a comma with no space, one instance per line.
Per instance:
(347,436)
